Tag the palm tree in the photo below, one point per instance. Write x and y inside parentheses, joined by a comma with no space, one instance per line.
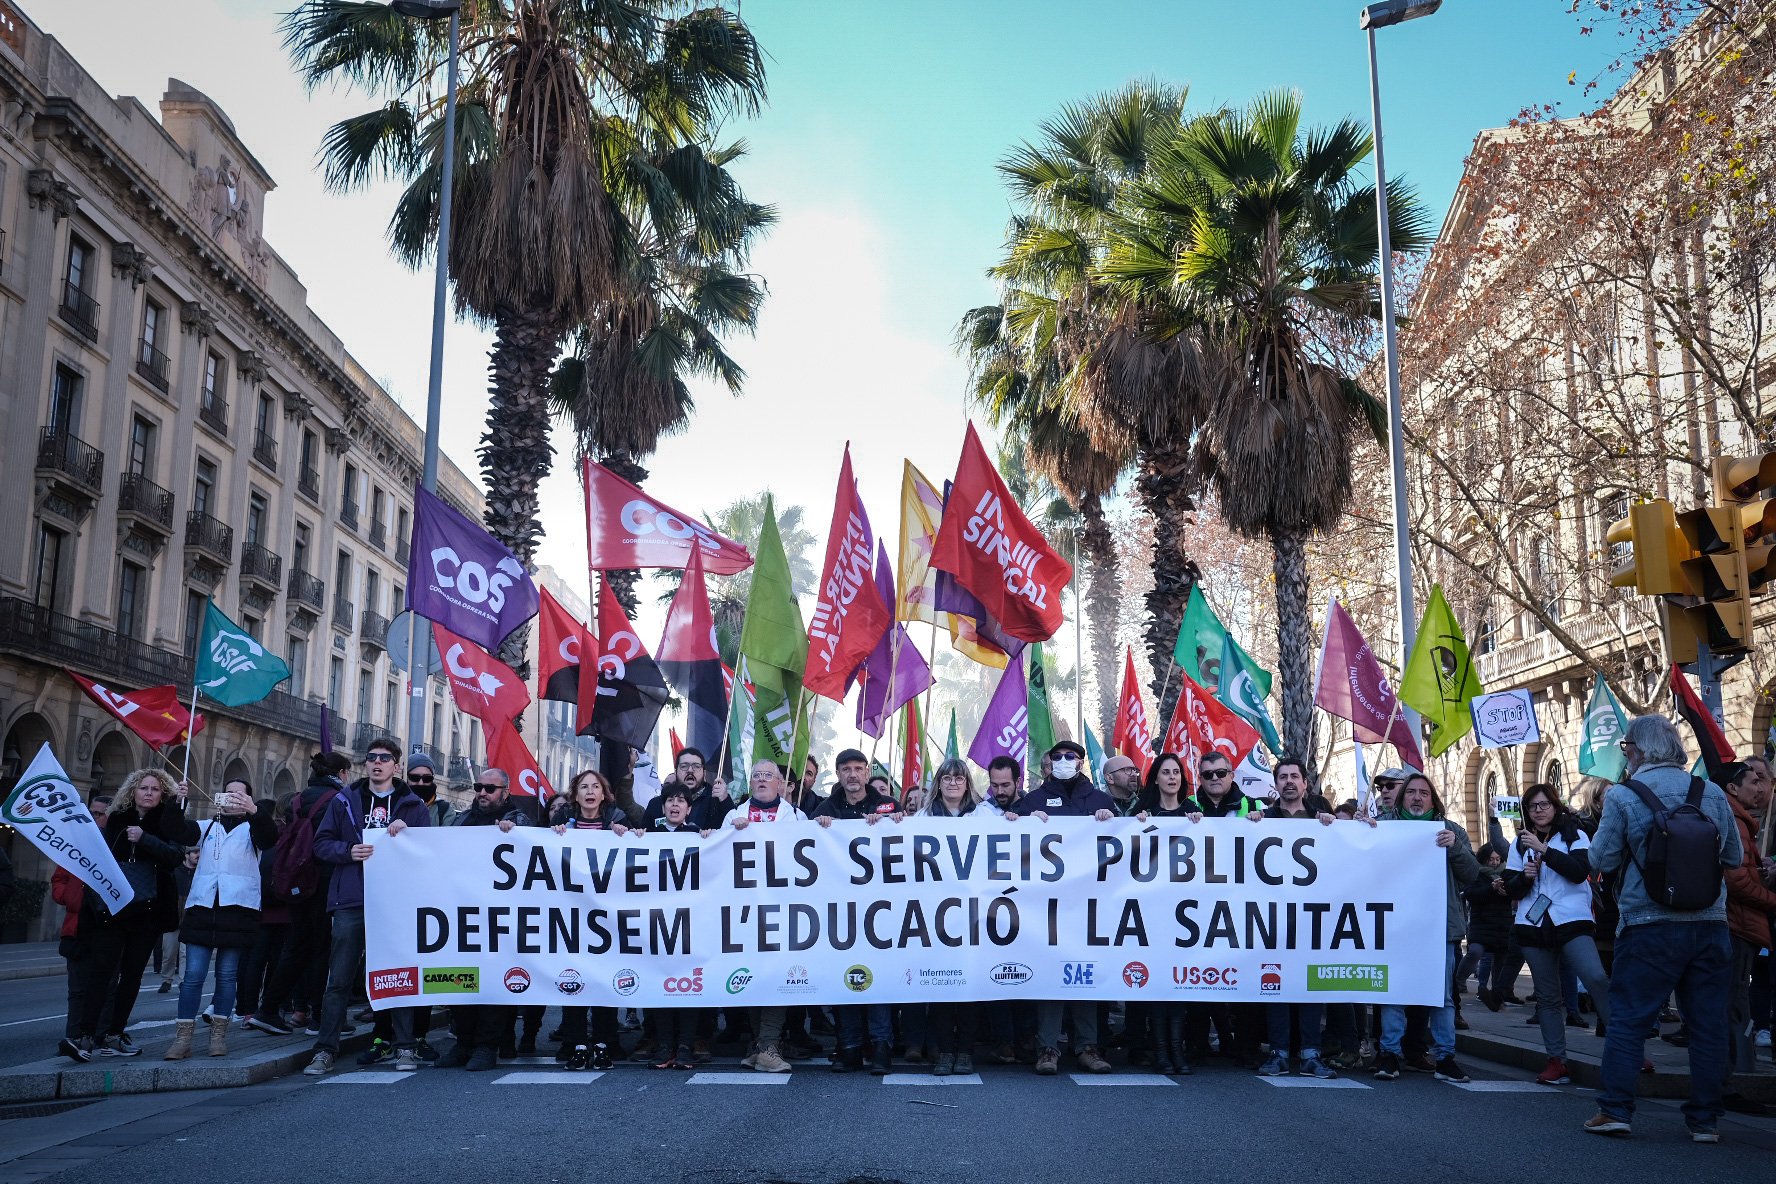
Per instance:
(586,196)
(1250,249)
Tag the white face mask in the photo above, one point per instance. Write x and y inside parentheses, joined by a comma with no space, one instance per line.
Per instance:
(1065,768)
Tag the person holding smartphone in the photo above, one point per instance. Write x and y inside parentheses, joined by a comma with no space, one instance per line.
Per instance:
(1548,875)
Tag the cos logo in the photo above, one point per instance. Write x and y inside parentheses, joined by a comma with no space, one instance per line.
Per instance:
(644,519)
(473,582)
(858,978)
(690,984)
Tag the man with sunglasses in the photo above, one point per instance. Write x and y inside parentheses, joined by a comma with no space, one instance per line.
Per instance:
(422,779)
(376,801)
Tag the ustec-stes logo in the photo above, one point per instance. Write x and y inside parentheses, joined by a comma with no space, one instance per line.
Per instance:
(391,984)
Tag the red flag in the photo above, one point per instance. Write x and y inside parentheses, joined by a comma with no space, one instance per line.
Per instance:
(912,761)
(1133,736)
(678,745)
(623,703)
(559,645)
(1716,751)
(851,615)
(507,751)
(1202,724)
(996,553)
(1353,686)
(154,714)
(627,528)
(481,684)
(690,661)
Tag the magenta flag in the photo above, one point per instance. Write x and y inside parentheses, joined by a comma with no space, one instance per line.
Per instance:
(1353,686)
(889,681)
(1005,728)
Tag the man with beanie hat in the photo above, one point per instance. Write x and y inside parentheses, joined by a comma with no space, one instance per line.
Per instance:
(422,779)
(852,799)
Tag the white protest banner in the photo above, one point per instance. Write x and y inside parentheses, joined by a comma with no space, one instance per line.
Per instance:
(1505,719)
(46,808)
(972,908)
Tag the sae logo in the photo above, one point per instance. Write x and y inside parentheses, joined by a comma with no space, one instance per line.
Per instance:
(1079,974)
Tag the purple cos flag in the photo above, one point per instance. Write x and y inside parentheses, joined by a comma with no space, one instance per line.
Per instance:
(1005,728)
(463,578)
(895,671)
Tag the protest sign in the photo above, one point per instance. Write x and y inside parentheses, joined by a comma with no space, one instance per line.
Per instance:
(925,909)
(1505,719)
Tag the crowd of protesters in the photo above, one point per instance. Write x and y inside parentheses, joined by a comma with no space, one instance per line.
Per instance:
(273,904)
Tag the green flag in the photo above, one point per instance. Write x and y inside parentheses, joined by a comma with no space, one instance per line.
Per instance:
(1440,678)
(1042,728)
(233,668)
(952,747)
(1198,648)
(804,735)
(1094,752)
(774,646)
(1600,748)
(1238,691)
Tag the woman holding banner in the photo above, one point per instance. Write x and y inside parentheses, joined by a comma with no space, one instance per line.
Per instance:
(951,1026)
(1165,794)
(590,805)
(1548,875)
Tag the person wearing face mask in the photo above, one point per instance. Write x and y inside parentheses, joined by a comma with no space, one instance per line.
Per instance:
(221,912)
(422,779)
(1066,793)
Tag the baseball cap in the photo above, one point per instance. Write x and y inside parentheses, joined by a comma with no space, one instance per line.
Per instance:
(1061,746)
(1397,773)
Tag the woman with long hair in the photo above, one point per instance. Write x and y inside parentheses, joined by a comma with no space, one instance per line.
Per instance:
(147,827)
(951,1025)
(1548,875)
(1166,791)
(590,805)
(1166,794)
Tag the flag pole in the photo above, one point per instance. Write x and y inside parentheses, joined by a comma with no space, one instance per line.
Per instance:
(1078,650)
(190,718)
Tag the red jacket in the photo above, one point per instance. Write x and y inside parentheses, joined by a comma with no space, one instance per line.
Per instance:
(1749,903)
(67,892)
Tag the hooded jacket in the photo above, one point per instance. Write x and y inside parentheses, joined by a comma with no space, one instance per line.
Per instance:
(342,827)
(1749,903)
(1461,870)
(222,907)
(1621,843)
(836,805)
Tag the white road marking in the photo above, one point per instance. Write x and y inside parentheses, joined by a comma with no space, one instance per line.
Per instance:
(368,1077)
(928,1079)
(1121,1079)
(1500,1087)
(738,1079)
(1314,1083)
(559,1077)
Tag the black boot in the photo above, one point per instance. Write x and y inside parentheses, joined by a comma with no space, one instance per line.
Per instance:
(844,1060)
(1180,1048)
(881,1058)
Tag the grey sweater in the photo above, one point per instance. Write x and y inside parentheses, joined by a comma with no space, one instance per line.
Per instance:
(1621,842)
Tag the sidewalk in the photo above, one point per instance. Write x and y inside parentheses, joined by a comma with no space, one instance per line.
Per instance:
(31,959)
(1505,1038)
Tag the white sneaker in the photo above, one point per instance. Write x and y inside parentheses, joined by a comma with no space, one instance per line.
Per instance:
(1762,1039)
(406,1061)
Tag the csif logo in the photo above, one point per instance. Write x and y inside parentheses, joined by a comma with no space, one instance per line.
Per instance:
(472,582)
(739,981)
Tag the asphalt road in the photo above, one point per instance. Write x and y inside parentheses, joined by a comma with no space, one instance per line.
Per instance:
(33,1010)
(731,1126)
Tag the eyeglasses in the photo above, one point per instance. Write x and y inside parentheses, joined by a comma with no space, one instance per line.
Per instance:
(1215,774)
(1544,804)
(376,758)
(480,788)
(412,780)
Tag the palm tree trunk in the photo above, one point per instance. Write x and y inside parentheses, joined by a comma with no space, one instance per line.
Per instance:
(623,582)
(1165,489)
(515,450)
(1102,592)
(1294,641)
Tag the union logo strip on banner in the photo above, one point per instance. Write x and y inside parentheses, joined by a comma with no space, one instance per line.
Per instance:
(921,910)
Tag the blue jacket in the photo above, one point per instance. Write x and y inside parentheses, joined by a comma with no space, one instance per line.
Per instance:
(342,828)
(1077,798)
(1620,842)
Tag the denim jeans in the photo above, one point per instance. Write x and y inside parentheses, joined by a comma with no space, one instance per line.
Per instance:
(197,969)
(1393,1017)
(1695,959)
(1278,1017)
(853,1019)
(1548,968)
(342,969)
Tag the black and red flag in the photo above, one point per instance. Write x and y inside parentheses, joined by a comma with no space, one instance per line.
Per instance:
(154,714)
(692,663)
(625,702)
(561,642)
(1717,753)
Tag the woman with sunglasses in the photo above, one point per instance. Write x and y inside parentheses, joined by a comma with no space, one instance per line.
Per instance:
(1548,875)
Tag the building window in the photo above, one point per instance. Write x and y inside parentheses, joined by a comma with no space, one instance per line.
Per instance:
(300,547)
(132,599)
(64,399)
(194,618)
(335,681)
(297,656)
(141,447)
(372,589)
(251,625)
(151,359)
(256,510)
(80,266)
(364,700)
(215,384)
(342,577)
(203,485)
(53,558)
(348,493)
(403,532)
(391,707)
(153,321)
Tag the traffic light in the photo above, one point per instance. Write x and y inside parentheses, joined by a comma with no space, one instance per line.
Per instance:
(1730,549)
(1658,550)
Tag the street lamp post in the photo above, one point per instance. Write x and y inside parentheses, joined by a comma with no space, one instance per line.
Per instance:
(431,10)
(1380,16)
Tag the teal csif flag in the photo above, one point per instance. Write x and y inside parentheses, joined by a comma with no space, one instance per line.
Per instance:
(232,667)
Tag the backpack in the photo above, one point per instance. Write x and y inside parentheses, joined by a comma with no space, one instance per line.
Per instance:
(294,875)
(1682,869)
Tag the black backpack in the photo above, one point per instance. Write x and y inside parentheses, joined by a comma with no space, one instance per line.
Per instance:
(1682,869)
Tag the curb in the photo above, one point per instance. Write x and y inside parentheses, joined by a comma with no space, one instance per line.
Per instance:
(11,973)
(1586,1072)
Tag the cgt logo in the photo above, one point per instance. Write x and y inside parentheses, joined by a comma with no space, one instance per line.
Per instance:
(517,980)
(1270,978)
(1135,975)
(739,981)
(452,980)
(569,982)
(392,984)
(1211,978)
(625,982)
(858,978)
(1010,974)
(1079,974)
(688,984)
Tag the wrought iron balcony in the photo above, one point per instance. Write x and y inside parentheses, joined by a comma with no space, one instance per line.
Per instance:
(210,537)
(145,504)
(308,483)
(152,365)
(80,310)
(71,462)
(213,414)
(262,567)
(373,629)
(362,735)
(348,513)
(307,592)
(461,769)
(344,615)
(403,545)
(379,536)
(265,449)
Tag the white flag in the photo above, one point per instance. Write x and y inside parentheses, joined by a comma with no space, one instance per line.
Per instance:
(1365,787)
(46,808)
(1255,779)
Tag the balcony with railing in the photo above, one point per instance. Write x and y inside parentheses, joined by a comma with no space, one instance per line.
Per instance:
(143,506)
(344,615)
(263,567)
(209,538)
(403,545)
(74,467)
(379,535)
(80,310)
(362,735)
(308,484)
(213,414)
(307,593)
(461,769)
(348,513)
(434,752)
(373,629)
(152,365)
(265,449)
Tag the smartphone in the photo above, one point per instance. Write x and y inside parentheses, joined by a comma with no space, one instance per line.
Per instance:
(1538,908)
